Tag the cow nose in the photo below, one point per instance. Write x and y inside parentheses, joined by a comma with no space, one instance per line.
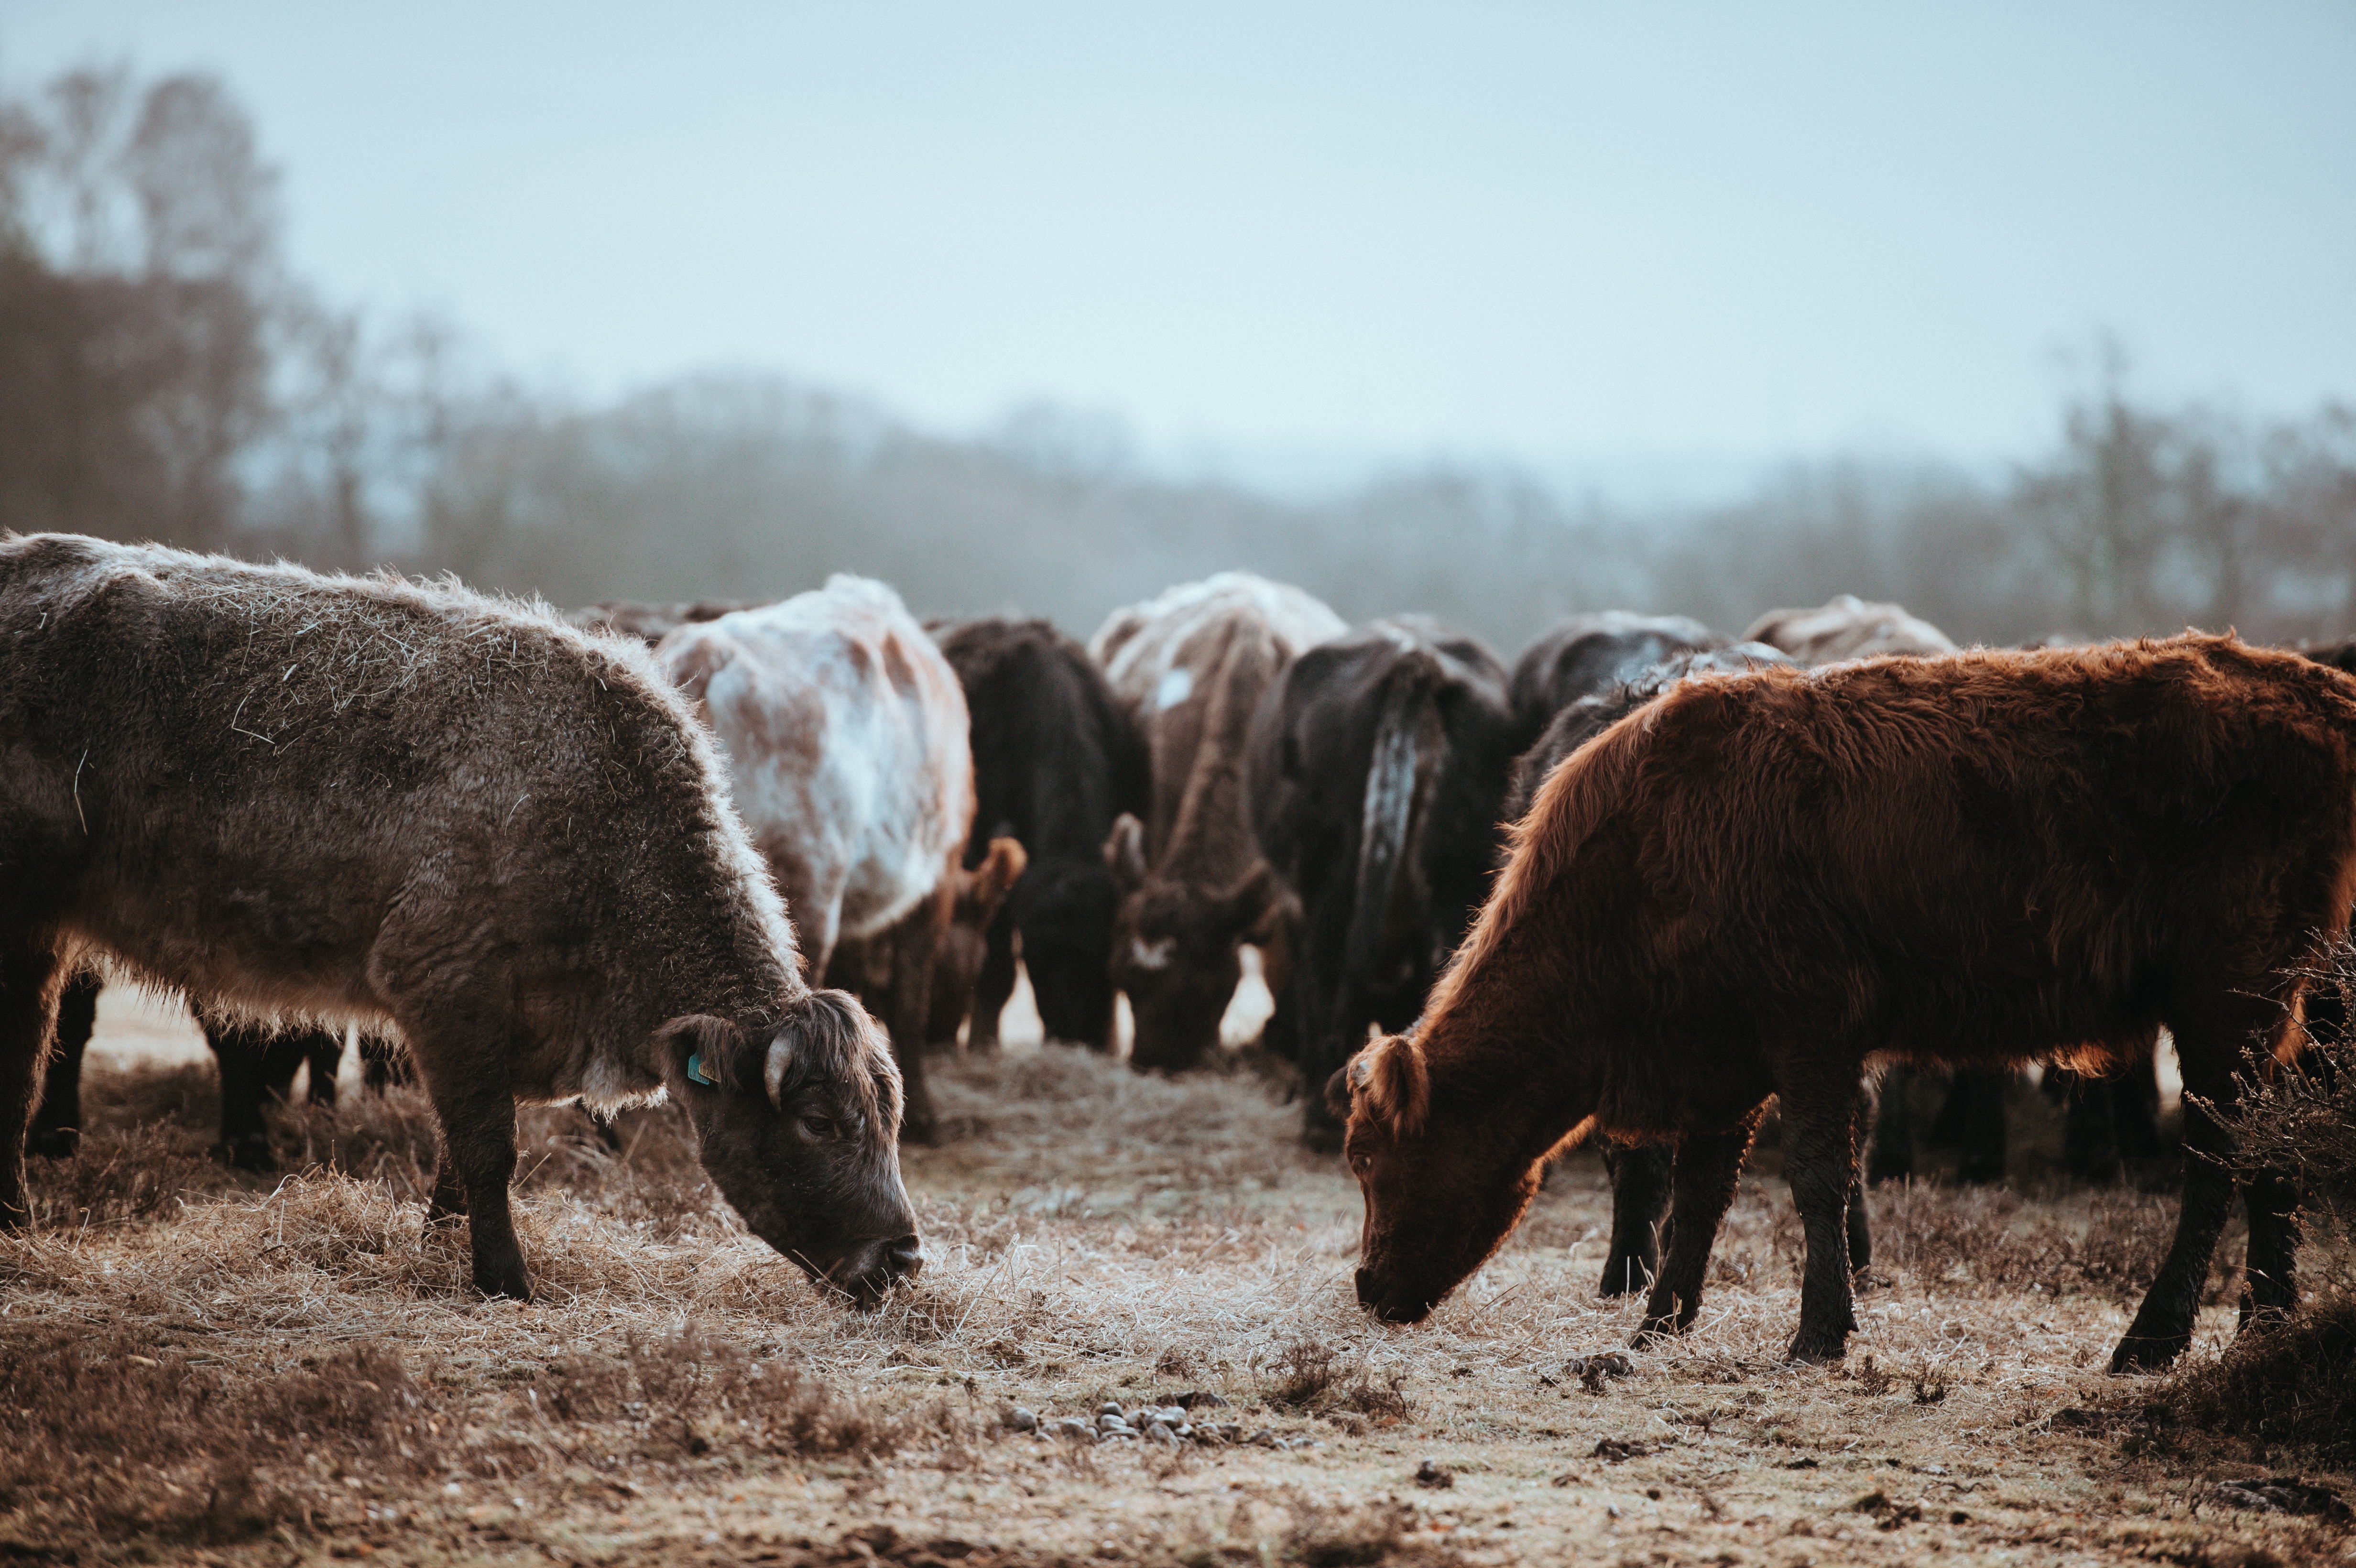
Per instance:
(904,1258)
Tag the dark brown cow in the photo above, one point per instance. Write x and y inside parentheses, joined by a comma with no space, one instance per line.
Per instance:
(1189,667)
(435,814)
(1377,762)
(1757,883)
(1585,655)
(1056,761)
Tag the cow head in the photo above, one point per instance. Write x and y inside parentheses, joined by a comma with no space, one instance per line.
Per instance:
(1437,1201)
(799,1128)
(964,943)
(1173,949)
(1065,909)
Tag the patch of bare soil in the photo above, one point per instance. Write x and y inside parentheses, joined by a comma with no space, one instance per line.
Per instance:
(200,1366)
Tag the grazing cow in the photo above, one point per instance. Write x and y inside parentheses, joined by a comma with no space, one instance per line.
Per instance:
(1056,761)
(1641,1173)
(1189,667)
(843,730)
(1378,764)
(1756,883)
(1588,655)
(1847,628)
(436,814)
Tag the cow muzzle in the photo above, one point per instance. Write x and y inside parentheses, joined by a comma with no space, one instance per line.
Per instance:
(1390,1302)
(867,1272)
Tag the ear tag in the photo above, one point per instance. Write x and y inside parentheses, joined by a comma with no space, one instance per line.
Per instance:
(696,1072)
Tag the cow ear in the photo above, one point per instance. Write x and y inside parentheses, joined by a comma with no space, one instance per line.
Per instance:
(1337,1093)
(998,872)
(1388,1079)
(1124,853)
(702,1050)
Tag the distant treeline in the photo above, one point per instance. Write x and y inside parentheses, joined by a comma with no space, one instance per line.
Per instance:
(163,376)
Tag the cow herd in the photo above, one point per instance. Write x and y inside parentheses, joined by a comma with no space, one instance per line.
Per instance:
(1636,886)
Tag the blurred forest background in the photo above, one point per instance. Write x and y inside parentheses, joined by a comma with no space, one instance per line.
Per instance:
(163,376)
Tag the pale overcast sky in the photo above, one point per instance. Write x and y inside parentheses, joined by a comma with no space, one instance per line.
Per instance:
(1535,230)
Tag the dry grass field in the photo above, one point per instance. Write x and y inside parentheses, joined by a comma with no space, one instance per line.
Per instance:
(197,1366)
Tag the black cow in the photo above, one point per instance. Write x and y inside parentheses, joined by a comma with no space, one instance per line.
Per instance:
(1588,655)
(1056,762)
(1377,762)
(255,1062)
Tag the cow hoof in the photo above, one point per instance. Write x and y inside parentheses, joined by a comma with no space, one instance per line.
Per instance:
(1653,1331)
(508,1283)
(250,1153)
(1816,1351)
(2137,1354)
(62,1142)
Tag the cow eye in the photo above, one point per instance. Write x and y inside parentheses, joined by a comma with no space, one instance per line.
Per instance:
(818,1127)
(1358,1162)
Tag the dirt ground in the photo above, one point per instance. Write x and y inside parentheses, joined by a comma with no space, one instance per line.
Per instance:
(202,1367)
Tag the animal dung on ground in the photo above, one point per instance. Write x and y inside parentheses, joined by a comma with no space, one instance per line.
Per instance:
(1616,1449)
(1433,1473)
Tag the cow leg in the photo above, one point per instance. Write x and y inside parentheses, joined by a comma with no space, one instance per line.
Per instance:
(2209,1053)
(1858,1226)
(243,1053)
(1978,1095)
(28,1013)
(323,1052)
(2090,1140)
(1892,1157)
(1708,1169)
(2270,1281)
(1641,1177)
(994,987)
(1820,1133)
(56,1123)
(2134,1111)
(477,1110)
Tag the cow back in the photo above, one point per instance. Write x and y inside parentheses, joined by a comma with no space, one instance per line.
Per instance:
(845,735)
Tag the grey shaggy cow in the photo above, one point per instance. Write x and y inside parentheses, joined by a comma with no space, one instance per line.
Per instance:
(296,796)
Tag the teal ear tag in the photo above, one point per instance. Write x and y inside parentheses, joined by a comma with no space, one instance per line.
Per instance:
(695,1071)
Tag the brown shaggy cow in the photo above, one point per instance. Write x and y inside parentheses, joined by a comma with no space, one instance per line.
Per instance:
(432,813)
(1189,666)
(1756,883)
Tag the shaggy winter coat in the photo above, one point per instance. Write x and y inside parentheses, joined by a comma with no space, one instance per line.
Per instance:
(1758,882)
(445,817)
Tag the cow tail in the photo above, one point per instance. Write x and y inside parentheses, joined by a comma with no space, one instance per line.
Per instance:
(1386,819)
